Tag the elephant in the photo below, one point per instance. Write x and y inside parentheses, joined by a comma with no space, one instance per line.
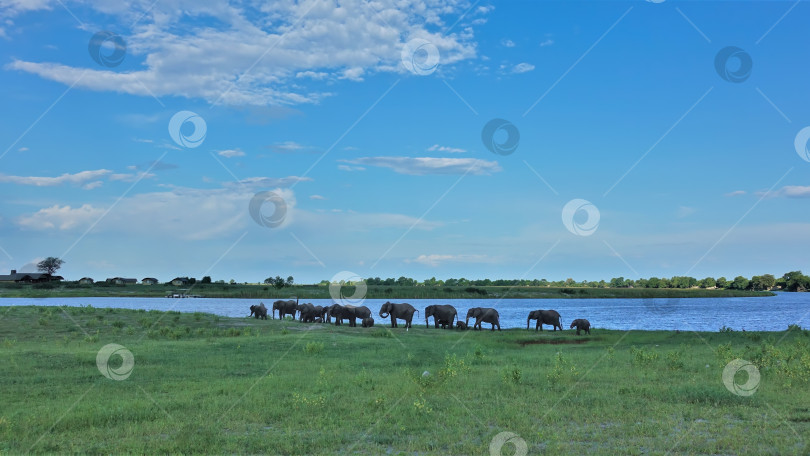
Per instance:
(259,311)
(544,317)
(310,313)
(396,311)
(441,313)
(361,312)
(461,325)
(284,308)
(368,322)
(350,313)
(485,315)
(581,324)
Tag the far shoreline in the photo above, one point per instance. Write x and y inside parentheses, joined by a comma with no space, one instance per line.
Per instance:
(244,291)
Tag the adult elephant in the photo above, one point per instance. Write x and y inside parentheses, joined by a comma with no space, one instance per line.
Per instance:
(259,311)
(484,315)
(350,313)
(285,308)
(361,312)
(396,311)
(441,313)
(544,317)
(309,313)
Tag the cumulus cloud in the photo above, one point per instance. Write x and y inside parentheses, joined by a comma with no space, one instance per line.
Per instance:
(61,217)
(547,42)
(507,43)
(522,68)
(736,193)
(264,54)
(430,165)
(317,197)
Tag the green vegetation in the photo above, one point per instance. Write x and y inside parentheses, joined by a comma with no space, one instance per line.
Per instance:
(208,384)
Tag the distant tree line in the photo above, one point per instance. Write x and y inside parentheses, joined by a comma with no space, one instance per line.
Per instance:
(792,281)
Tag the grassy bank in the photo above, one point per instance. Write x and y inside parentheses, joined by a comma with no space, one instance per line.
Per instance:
(237,291)
(208,384)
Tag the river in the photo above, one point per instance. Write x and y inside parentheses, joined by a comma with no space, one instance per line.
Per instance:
(693,314)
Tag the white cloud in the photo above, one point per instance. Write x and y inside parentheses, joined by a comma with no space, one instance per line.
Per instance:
(230,153)
(61,217)
(264,183)
(290,147)
(547,42)
(522,68)
(92,185)
(736,193)
(281,43)
(350,168)
(430,165)
(79,178)
(451,150)
(788,191)
(131,177)
(22,149)
(507,43)
(435,259)
(317,75)
(317,197)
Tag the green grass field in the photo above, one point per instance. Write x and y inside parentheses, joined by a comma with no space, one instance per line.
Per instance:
(68,289)
(207,384)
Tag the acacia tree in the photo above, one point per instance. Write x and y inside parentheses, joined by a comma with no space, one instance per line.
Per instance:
(50,265)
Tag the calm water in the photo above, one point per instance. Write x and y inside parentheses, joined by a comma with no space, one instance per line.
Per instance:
(699,314)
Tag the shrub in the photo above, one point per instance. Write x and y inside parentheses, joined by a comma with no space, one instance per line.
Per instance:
(313,348)
(643,357)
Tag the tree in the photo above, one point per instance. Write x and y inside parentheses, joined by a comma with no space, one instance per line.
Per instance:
(739,283)
(763,282)
(617,282)
(50,265)
(278,282)
(708,282)
(206,279)
(289,281)
(796,281)
(722,282)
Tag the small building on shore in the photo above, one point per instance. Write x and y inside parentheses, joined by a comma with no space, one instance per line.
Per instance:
(86,281)
(149,281)
(122,281)
(29,277)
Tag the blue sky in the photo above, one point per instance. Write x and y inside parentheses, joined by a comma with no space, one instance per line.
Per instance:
(377,153)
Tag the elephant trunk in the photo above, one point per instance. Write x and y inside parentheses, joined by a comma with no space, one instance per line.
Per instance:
(527,322)
(382,312)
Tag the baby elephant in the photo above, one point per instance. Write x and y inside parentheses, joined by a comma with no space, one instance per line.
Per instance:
(461,325)
(368,322)
(581,324)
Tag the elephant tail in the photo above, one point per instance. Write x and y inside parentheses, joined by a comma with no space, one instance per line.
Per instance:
(417,311)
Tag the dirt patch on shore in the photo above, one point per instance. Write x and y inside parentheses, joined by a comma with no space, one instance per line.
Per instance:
(555,341)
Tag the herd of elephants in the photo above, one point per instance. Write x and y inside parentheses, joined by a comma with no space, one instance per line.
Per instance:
(443,315)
